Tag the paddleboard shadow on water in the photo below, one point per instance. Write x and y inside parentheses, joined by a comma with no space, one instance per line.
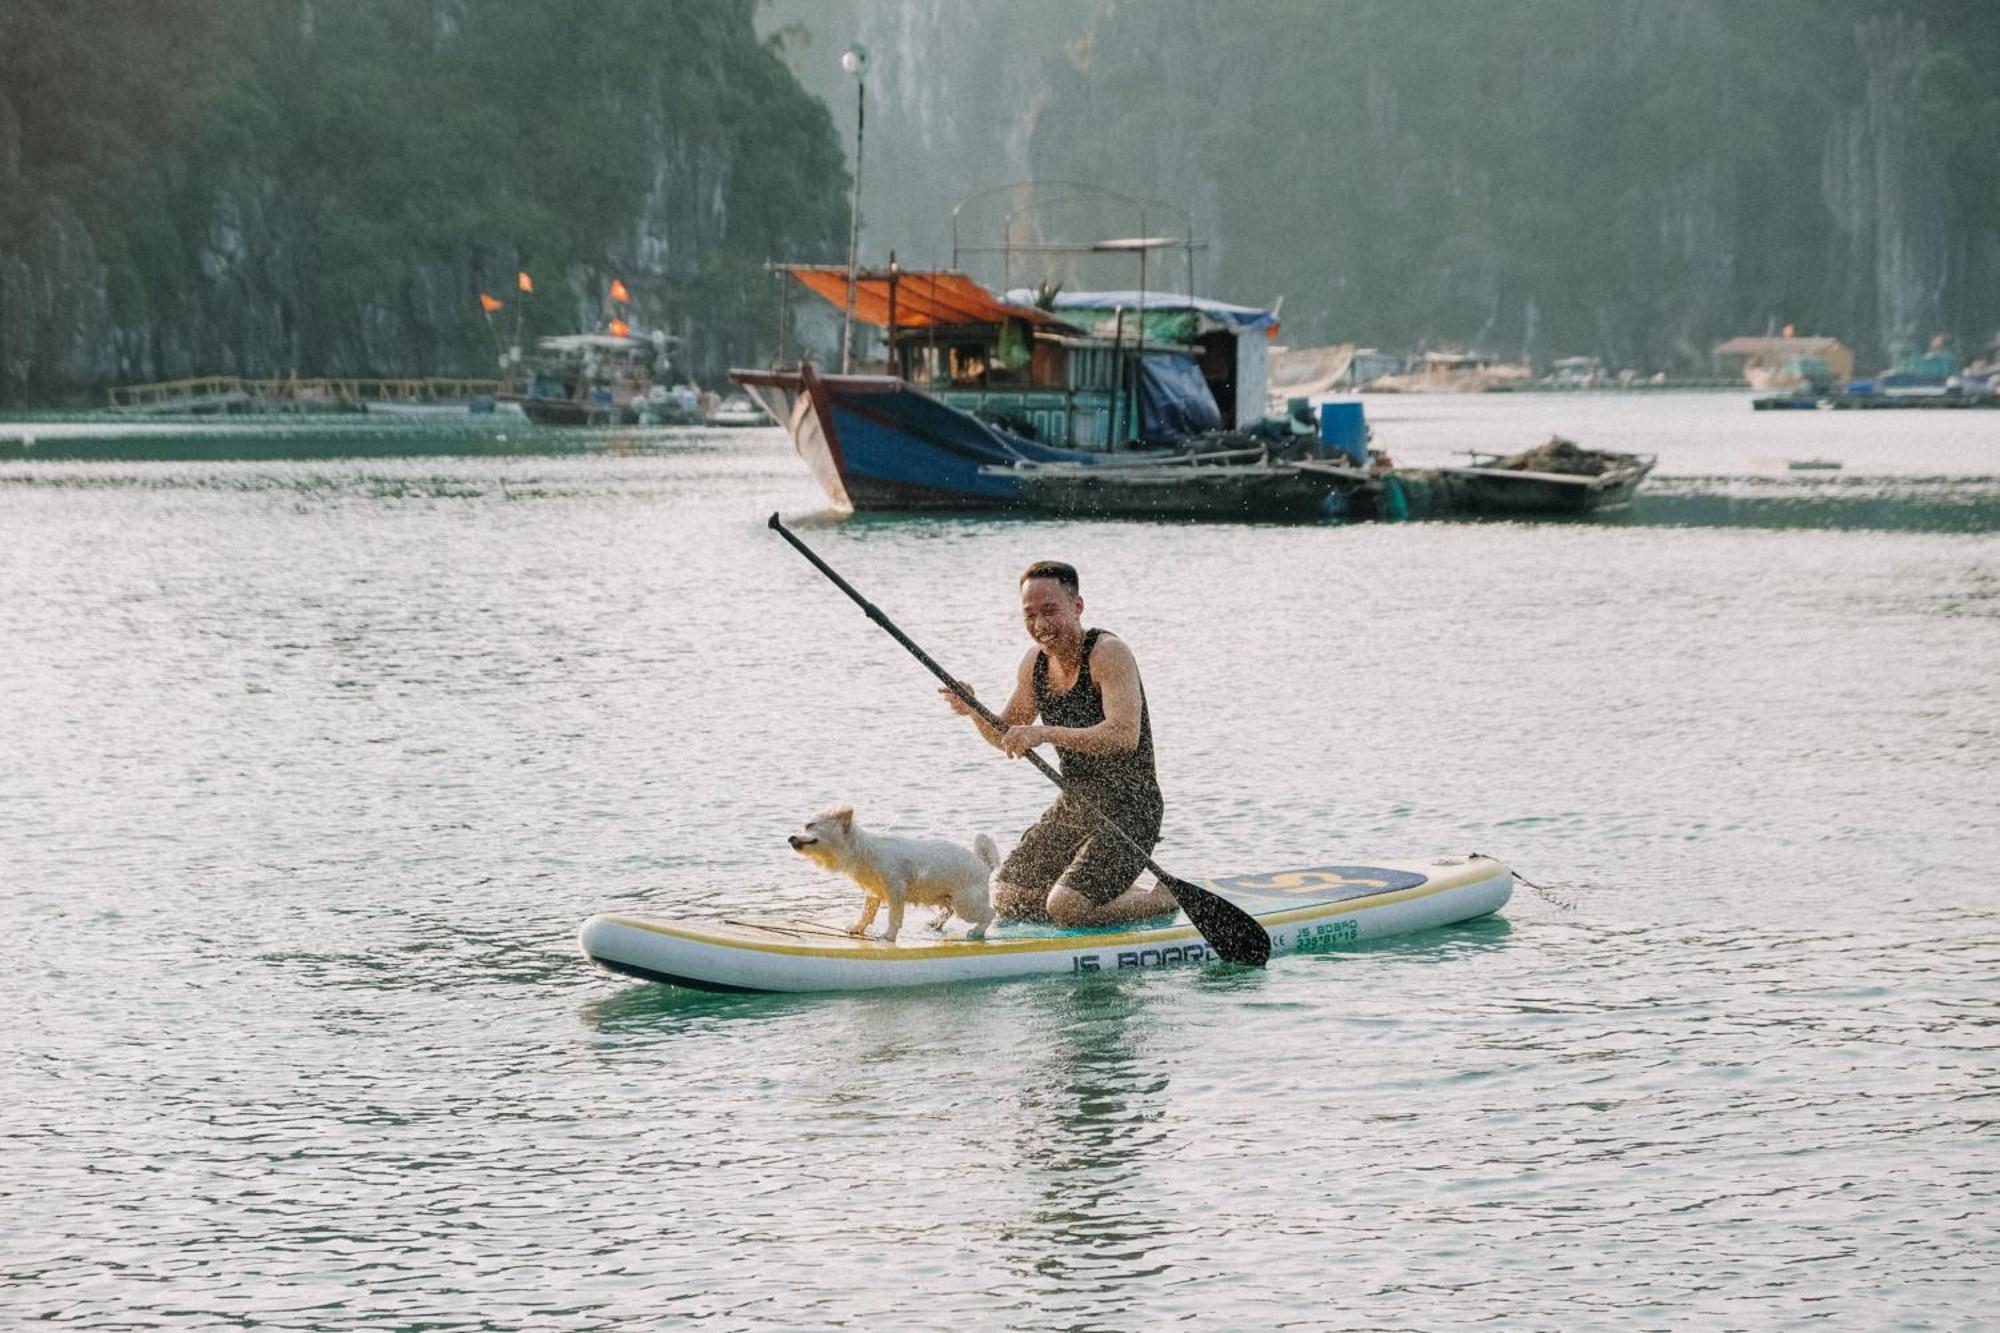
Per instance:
(656,1008)
(644,1006)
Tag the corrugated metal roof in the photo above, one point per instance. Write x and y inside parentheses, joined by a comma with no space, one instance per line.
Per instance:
(924,297)
(1749,346)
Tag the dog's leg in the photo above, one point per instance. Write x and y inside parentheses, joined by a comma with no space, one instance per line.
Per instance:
(973,903)
(869,907)
(980,915)
(943,916)
(895,916)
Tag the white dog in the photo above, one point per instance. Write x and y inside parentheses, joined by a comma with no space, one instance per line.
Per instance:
(929,872)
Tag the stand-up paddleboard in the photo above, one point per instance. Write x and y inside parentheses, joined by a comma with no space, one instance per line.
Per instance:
(1306,911)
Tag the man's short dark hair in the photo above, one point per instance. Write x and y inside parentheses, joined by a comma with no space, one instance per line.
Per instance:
(1054,569)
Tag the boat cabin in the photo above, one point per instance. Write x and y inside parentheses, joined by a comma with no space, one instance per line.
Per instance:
(603,369)
(1087,372)
(1229,344)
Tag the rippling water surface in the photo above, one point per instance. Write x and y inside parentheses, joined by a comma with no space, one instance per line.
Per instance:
(319,743)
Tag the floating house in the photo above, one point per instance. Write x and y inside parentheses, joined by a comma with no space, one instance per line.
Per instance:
(1371,364)
(1785,362)
(1575,372)
(1454,370)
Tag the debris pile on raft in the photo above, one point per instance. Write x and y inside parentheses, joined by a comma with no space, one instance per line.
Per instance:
(1564,457)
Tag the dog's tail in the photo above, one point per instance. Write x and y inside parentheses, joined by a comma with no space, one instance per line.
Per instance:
(983,848)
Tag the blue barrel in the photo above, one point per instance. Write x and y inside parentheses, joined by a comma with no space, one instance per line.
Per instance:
(1344,430)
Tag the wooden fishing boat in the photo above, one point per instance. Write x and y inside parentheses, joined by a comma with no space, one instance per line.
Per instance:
(971,380)
(606,379)
(1560,477)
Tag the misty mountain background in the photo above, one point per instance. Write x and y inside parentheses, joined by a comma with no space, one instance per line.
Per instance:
(1631,179)
(261,186)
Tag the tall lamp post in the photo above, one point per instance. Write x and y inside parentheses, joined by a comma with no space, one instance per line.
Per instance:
(855,61)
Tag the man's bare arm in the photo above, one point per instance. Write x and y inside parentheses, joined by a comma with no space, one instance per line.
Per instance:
(1020,709)
(1117,674)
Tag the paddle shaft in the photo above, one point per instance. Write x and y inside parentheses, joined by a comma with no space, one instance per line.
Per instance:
(986,714)
(1245,941)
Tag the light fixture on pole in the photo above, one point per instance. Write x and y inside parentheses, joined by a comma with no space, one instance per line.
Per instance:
(855,61)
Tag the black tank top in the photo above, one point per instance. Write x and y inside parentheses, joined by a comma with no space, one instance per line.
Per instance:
(1127,780)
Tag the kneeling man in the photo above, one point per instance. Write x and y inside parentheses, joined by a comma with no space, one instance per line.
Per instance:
(1084,687)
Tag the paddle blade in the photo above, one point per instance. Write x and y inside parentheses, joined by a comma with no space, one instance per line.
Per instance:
(1233,932)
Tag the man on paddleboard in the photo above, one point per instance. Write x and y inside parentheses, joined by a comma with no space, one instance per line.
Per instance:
(1084,687)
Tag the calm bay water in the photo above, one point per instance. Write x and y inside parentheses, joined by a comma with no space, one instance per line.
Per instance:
(320,741)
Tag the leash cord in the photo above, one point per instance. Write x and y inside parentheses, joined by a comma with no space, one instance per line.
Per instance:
(1546,894)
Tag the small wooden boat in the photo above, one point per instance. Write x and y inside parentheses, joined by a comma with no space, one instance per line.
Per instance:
(1237,484)
(606,379)
(739,410)
(1768,465)
(1560,477)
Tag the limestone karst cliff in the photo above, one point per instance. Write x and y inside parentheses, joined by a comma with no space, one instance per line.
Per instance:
(1633,179)
(261,186)
(326,185)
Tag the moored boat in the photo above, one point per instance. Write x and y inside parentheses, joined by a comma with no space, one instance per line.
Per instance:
(739,409)
(976,383)
(605,379)
(1798,400)
(1559,477)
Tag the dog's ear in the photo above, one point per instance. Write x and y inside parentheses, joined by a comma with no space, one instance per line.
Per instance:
(844,816)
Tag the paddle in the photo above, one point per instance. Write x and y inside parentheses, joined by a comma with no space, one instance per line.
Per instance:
(1229,930)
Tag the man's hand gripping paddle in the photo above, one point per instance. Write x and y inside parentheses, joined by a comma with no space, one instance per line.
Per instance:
(1229,930)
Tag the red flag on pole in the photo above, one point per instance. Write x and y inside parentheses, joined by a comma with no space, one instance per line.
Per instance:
(526,283)
(620,329)
(488,303)
(618,292)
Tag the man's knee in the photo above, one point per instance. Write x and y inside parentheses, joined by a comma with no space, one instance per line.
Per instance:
(1014,902)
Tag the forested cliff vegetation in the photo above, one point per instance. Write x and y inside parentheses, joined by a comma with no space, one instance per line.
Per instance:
(1632,179)
(262,186)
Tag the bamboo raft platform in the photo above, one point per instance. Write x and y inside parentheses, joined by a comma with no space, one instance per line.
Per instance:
(1554,480)
(225,394)
(1243,484)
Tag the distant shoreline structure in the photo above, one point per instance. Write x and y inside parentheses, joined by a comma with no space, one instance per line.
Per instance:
(219,395)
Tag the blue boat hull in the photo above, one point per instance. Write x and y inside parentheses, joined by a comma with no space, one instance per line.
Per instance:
(876,443)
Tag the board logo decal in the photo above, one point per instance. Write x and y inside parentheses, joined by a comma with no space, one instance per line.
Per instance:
(1159,957)
(1316,881)
(1328,935)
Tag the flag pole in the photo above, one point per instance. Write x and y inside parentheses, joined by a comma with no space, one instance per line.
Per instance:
(855,61)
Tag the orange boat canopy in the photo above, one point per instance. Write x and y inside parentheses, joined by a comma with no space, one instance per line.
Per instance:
(923,297)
